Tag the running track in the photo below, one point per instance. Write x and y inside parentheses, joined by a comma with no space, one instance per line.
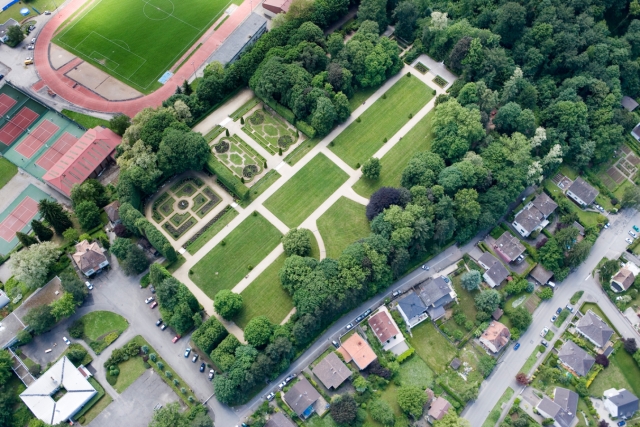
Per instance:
(83,97)
(18,218)
(36,138)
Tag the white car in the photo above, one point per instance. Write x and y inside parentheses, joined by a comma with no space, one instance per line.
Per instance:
(607,225)
(88,285)
(148,300)
(632,234)
(33,40)
(628,240)
(66,340)
(544,332)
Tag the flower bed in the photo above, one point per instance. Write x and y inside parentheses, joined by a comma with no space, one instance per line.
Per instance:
(177,232)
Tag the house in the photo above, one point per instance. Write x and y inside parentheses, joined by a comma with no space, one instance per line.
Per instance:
(625,277)
(438,409)
(496,272)
(593,328)
(278,419)
(4,28)
(331,371)
(509,248)
(562,409)
(244,36)
(628,103)
(636,132)
(4,299)
(89,258)
(88,158)
(63,375)
(497,314)
(582,193)
(301,397)
(455,363)
(620,403)
(113,213)
(575,359)
(436,293)
(357,349)
(274,7)
(534,215)
(541,275)
(495,337)
(579,227)
(385,329)
(412,309)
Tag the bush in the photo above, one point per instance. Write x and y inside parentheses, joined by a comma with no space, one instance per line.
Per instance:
(24,337)
(111,337)
(306,128)
(209,335)
(228,179)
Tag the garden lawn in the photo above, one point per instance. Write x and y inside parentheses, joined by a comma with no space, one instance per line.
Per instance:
(415,372)
(306,190)
(212,231)
(466,300)
(383,119)
(622,372)
(344,223)
(425,339)
(244,247)
(7,171)
(393,163)
(85,120)
(129,372)
(494,415)
(260,187)
(99,323)
(265,296)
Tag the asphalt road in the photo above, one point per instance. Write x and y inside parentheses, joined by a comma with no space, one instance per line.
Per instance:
(610,244)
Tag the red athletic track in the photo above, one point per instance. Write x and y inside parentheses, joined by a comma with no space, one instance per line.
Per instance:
(57,150)
(36,138)
(18,218)
(6,102)
(83,97)
(16,125)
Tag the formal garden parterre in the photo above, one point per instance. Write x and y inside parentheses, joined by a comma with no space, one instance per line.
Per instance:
(270,131)
(239,157)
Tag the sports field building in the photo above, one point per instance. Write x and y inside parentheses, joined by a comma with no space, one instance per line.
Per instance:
(240,40)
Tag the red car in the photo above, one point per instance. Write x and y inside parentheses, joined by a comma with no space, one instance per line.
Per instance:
(175,339)
(154,304)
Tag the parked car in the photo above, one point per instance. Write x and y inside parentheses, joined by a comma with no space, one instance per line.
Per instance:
(30,47)
(396,294)
(157,407)
(446,279)
(282,384)
(33,40)
(335,344)
(175,339)
(628,240)
(202,365)
(359,318)
(544,332)
(159,322)
(607,225)
(517,346)
(544,343)
(1,76)
(553,318)
(425,267)
(212,374)
(570,308)
(349,326)
(163,327)
(632,234)
(270,396)
(46,12)
(194,358)
(187,352)
(28,61)
(154,304)
(622,423)
(148,300)
(66,340)
(559,310)
(636,229)
(88,285)
(368,312)
(152,289)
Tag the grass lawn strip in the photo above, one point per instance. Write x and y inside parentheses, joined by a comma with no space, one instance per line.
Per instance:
(342,224)
(85,120)
(94,406)
(265,296)
(244,247)
(260,187)
(129,372)
(393,163)
(225,219)
(425,339)
(301,150)
(7,171)
(100,323)
(359,141)
(306,190)
(494,415)
(244,108)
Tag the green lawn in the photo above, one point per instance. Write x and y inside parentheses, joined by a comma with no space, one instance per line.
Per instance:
(415,372)
(212,231)
(228,263)
(425,339)
(586,218)
(530,362)
(129,372)
(465,299)
(361,96)
(306,190)
(85,120)
(344,223)
(265,296)
(137,42)
(40,5)
(494,415)
(260,187)
(393,163)
(7,171)
(383,119)
(100,323)
(623,372)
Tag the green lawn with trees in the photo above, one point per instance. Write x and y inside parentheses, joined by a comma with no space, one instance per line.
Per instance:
(417,139)
(235,256)
(342,224)
(130,370)
(98,323)
(382,120)
(306,190)
(425,339)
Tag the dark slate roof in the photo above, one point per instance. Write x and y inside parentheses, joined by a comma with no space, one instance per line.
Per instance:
(626,402)
(636,131)
(628,103)
(541,274)
(595,328)
(301,396)
(545,204)
(411,305)
(562,408)
(498,273)
(576,358)
(278,419)
(238,39)
(436,312)
(113,211)
(488,259)
(434,292)
(583,190)
(455,363)
(510,245)
(331,371)
(529,218)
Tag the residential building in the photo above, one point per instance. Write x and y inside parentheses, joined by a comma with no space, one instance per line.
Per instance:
(541,275)
(562,409)
(593,328)
(412,309)
(439,408)
(62,375)
(113,213)
(357,349)
(89,258)
(436,293)
(629,103)
(4,28)
(496,272)
(625,277)
(301,397)
(385,329)
(534,215)
(574,358)
(4,299)
(244,36)
(635,132)
(273,7)
(509,248)
(279,419)
(582,192)
(331,371)
(497,314)
(620,403)
(495,337)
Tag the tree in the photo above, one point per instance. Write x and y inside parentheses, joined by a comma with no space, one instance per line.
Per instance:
(521,318)
(227,304)
(258,331)
(471,280)
(31,266)
(344,409)
(603,423)
(169,416)
(382,412)
(630,345)
(371,169)
(6,362)
(406,14)
(486,365)
(77,354)
(91,190)
(40,319)
(383,198)
(297,242)
(631,196)
(488,300)
(26,239)
(72,284)
(455,128)
(181,151)
(14,36)
(71,235)
(120,247)
(119,123)
(360,383)
(55,215)
(567,237)
(545,293)
(601,359)
(411,400)
(324,116)
(63,307)
(88,214)
(510,22)
(374,10)
(522,378)
(451,419)
(341,105)
(43,232)
(135,261)
(24,337)
(202,420)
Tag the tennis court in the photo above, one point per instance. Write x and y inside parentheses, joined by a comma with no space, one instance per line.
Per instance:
(18,216)
(36,138)
(6,103)
(57,150)
(16,125)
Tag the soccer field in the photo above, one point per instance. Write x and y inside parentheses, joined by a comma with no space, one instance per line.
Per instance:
(137,41)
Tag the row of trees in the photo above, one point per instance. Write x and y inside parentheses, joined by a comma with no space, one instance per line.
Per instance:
(179,308)
(138,225)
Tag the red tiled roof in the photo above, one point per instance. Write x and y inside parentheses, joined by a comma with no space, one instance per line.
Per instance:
(82,159)
(383,326)
(277,6)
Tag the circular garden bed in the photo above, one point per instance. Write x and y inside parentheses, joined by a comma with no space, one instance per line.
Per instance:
(250,171)
(222,146)
(257,118)
(285,141)
(183,204)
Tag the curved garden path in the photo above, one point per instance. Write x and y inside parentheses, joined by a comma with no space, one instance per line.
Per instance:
(85,98)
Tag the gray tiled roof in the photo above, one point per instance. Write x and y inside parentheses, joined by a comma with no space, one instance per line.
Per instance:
(498,273)
(278,419)
(576,358)
(626,402)
(331,371)
(529,218)
(236,42)
(628,103)
(411,305)
(541,274)
(301,396)
(562,408)
(595,328)
(583,190)
(510,245)
(545,204)
(434,291)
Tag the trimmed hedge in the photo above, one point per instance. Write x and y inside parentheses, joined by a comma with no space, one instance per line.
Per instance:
(224,355)
(404,356)
(306,128)
(227,177)
(282,110)
(209,335)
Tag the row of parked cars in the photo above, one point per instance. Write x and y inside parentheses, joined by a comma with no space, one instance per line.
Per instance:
(284,382)
(194,359)
(545,330)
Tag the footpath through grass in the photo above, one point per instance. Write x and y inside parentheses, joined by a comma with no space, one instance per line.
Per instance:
(393,163)
(383,119)
(344,223)
(306,190)
(494,415)
(7,171)
(234,257)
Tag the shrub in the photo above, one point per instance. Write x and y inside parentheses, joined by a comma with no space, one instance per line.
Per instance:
(111,337)
(160,365)
(168,374)
(153,357)
(209,335)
